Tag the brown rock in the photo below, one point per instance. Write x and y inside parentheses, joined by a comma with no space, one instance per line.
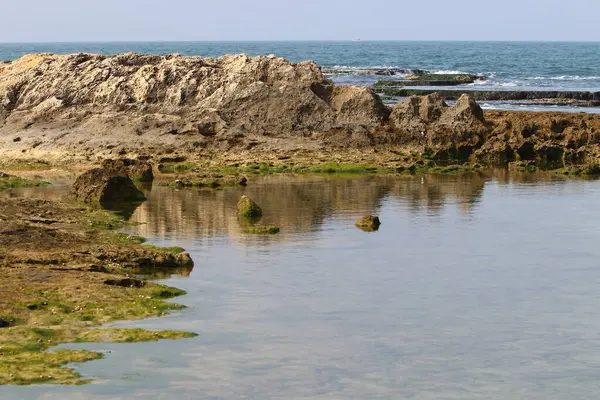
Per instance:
(99,185)
(369,223)
(137,170)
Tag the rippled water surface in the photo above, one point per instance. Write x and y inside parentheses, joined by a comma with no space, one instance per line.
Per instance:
(475,287)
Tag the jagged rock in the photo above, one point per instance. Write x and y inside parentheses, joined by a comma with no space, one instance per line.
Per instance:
(137,170)
(247,208)
(358,105)
(369,223)
(451,132)
(149,100)
(104,187)
(461,128)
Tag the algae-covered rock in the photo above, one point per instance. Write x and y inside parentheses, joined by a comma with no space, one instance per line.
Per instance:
(102,186)
(369,223)
(247,208)
(137,170)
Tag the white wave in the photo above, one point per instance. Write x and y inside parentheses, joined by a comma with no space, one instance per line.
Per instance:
(368,67)
(565,78)
(508,84)
(447,72)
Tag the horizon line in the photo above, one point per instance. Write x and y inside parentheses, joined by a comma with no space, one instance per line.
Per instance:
(303,41)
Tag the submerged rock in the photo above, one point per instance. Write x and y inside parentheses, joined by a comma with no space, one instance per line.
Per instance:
(369,223)
(247,208)
(137,170)
(101,186)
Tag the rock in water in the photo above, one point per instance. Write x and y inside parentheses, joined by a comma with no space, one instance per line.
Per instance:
(104,187)
(137,170)
(248,209)
(369,223)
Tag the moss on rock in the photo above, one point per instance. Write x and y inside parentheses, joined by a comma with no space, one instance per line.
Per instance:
(369,223)
(247,208)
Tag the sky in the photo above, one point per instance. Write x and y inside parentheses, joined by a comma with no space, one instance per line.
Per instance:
(189,20)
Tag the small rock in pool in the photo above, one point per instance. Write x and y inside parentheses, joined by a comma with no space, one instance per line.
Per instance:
(248,209)
(369,223)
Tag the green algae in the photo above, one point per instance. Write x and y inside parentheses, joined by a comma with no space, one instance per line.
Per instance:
(56,319)
(29,368)
(170,250)
(12,182)
(130,335)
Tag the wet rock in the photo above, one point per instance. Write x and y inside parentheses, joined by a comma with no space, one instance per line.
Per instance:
(126,282)
(369,223)
(137,170)
(101,186)
(247,208)
(6,322)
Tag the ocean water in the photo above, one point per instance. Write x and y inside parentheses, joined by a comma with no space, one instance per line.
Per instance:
(476,287)
(505,65)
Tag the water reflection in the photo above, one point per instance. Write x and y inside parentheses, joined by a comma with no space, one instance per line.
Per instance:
(300,204)
(476,287)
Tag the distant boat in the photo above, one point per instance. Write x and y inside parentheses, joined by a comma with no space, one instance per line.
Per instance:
(356,40)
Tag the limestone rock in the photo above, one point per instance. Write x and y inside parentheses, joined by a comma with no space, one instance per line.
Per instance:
(358,105)
(102,186)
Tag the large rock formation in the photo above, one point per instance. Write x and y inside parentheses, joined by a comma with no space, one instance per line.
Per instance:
(86,106)
(129,102)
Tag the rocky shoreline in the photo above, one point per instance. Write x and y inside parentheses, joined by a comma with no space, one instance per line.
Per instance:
(83,108)
(66,270)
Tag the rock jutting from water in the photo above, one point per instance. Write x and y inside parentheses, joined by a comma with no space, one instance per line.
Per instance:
(103,186)
(369,223)
(247,208)
(86,107)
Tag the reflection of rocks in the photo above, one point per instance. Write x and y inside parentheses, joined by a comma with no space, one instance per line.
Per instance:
(299,204)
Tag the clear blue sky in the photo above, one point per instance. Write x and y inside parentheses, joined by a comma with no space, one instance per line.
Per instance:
(148,20)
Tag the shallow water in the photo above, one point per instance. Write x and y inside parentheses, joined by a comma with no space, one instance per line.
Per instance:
(475,287)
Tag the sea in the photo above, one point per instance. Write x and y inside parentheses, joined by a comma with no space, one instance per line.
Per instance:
(567,66)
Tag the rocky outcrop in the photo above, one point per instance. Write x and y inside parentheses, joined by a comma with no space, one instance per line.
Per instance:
(427,122)
(125,103)
(91,107)
(546,140)
(104,187)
